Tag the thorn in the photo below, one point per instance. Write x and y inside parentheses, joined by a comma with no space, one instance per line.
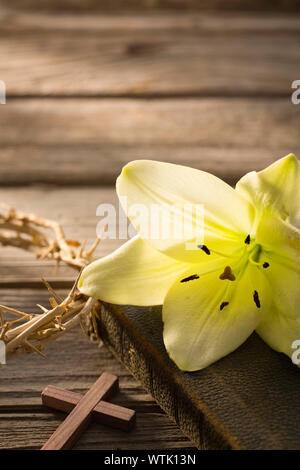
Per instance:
(6,309)
(53,302)
(42,308)
(26,343)
(91,251)
(52,291)
(83,244)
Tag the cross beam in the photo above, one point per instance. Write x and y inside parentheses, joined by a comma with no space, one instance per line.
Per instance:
(82,409)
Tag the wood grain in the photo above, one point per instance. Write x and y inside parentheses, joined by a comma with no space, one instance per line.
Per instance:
(23,21)
(223,122)
(70,430)
(73,363)
(96,59)
(105,412)
(113,5)
(81,165)
(87,141)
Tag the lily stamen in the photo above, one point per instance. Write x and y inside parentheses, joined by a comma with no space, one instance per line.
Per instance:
(227,274)
(204,248)
(256,299)
(223,304)
(247,240)
(190,278)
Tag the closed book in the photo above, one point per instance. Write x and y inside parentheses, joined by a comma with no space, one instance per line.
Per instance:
(248,400)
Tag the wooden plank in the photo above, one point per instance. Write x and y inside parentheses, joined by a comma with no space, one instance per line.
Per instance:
(72,141)
(81,165)
(27,431)
(150,65)
(223,122)
(22,20)
(113,5)
(182,60)
(73,363)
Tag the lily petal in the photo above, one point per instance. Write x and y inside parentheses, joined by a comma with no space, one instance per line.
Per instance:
(279,237)
(284,278)
(227,215)
(277,187)
(206,318)
(279,331)
(134,274)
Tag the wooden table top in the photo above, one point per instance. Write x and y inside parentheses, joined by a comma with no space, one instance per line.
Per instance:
(86,94)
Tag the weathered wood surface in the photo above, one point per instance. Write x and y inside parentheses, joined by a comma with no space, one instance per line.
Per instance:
(86,164)
(71,140)
(24,422)
(21,21)
(226,57)
(75,364)
(289,5)
(218,122)
(181,55)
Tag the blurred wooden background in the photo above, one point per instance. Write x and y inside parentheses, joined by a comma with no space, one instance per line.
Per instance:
(112,5)
(91,86)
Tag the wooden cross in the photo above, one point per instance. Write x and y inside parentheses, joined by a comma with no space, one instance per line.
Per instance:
(82,409)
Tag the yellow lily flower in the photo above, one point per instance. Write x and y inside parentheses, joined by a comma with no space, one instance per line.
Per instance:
(243,276)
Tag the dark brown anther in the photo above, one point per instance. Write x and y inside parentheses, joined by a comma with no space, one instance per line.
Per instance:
(227,274)
(256,299)
(204,248)
(223,304)
(266,265)
(247,240)
(190,278)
